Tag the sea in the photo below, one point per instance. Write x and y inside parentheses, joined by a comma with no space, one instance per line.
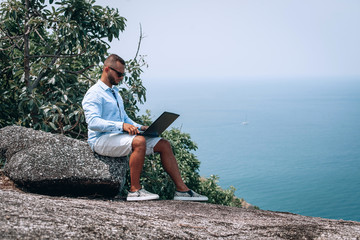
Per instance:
(288,145)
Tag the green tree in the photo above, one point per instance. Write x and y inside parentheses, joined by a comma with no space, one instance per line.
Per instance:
(50,55)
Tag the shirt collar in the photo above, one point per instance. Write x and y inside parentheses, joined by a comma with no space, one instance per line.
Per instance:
(106,87)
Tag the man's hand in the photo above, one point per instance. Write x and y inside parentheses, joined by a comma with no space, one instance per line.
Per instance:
(143,128)
(131,129)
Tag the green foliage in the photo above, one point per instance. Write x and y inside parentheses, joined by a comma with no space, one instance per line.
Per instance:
(210,188)
(49,58)
(134,92)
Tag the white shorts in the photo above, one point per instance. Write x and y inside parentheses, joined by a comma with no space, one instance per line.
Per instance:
(120,144)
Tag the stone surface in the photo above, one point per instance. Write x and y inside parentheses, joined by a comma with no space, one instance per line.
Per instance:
(32,216)
(57,165)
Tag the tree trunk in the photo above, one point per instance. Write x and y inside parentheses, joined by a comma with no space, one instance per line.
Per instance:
(26,49)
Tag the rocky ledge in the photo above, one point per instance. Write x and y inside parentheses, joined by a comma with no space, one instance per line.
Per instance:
(32,216)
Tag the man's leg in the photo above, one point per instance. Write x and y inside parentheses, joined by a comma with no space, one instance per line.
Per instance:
(170,164)
(115,145)
(136,162)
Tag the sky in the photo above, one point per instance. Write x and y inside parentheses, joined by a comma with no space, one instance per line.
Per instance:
(229,39)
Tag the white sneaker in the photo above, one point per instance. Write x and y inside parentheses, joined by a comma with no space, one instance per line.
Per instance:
(189,196)
(141,195)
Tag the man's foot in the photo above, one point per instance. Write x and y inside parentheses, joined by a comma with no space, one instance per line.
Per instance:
(141,195)
(189,196)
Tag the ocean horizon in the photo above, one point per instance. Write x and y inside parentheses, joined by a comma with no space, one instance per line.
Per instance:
(290,145)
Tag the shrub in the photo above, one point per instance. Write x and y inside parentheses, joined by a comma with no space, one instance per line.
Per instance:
(217,195)
(156,180)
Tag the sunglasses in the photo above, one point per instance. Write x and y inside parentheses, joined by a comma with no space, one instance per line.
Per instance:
(120,74)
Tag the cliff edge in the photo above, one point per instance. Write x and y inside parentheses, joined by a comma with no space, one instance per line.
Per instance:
(33,216)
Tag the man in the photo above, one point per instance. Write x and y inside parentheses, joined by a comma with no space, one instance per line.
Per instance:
(112,133)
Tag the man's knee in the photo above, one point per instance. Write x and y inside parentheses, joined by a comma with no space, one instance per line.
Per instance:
(139,142)
(162,145)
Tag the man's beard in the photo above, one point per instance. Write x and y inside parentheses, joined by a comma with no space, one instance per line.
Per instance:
(112,80)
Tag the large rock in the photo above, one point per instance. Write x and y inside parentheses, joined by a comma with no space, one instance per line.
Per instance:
(57,165)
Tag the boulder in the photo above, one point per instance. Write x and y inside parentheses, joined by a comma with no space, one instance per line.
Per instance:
(54,164)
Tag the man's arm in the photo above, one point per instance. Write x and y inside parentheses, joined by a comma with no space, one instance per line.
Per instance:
(92,108)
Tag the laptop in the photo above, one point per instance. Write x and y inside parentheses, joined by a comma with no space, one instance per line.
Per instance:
(160,124)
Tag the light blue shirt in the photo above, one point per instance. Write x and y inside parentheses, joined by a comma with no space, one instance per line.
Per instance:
(102,113)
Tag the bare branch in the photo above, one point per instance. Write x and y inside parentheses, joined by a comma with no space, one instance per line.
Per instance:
(87,77)
(42,73)
(41,38)
(5,49)
(140,38)
(36,13)
(80,71)
(55,55)
(26,47)
(11,38)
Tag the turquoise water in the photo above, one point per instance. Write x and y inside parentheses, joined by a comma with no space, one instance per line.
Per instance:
(299,152)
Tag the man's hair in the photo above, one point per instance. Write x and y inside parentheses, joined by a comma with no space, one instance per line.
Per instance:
(112,59)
